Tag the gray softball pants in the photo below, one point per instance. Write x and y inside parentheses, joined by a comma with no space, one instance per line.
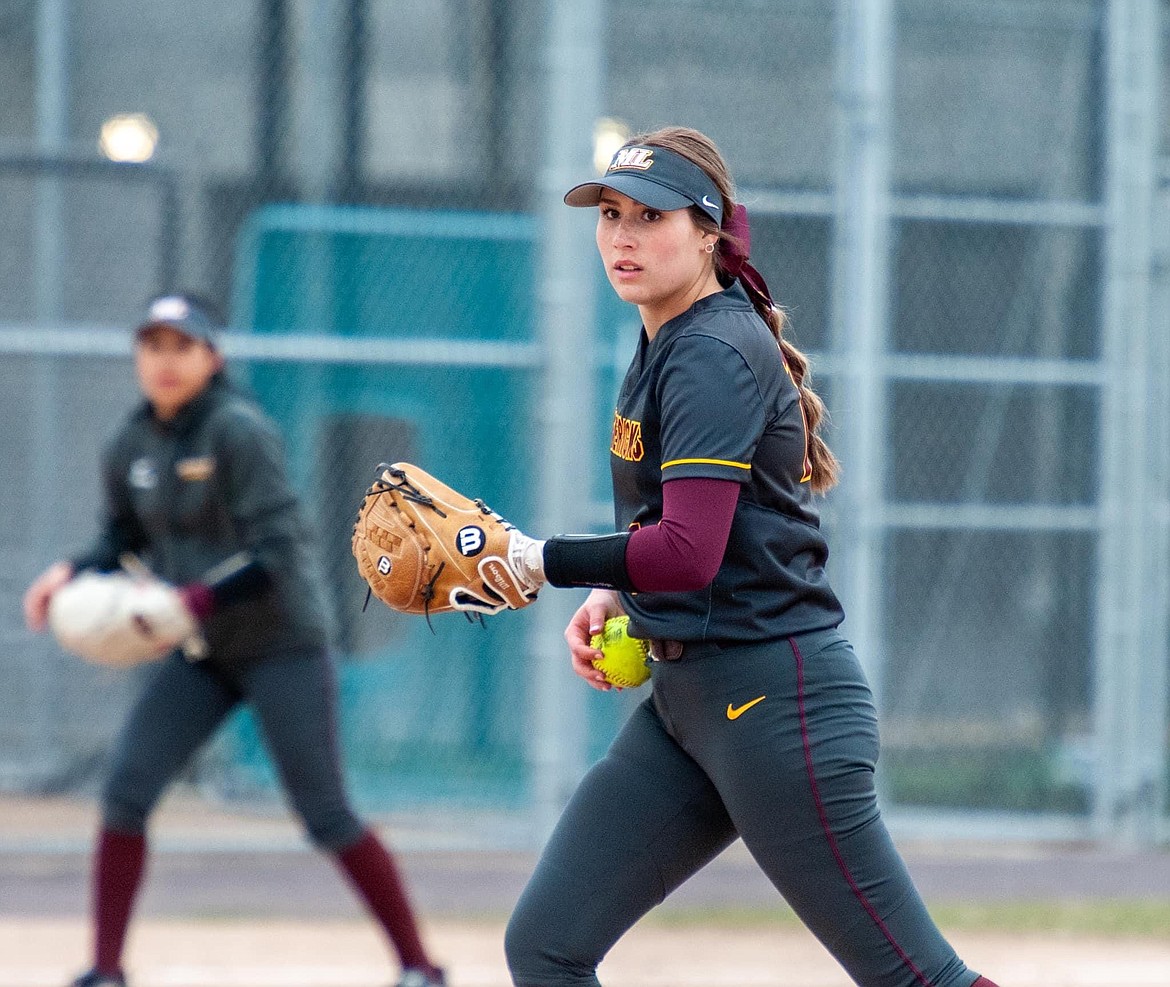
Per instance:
(792,774)
(182,705)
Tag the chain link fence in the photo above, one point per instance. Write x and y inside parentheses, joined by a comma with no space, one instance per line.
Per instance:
(358,183)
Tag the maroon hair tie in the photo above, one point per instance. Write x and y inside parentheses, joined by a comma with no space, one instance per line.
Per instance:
(734,254)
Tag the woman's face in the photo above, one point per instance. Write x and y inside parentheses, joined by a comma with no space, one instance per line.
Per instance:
(655,260)
(173,368)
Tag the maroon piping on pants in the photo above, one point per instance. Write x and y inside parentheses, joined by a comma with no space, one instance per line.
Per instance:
(827,830)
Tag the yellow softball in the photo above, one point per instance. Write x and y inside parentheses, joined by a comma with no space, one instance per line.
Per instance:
(624,662)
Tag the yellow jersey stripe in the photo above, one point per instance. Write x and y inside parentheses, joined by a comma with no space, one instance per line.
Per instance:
(709,462)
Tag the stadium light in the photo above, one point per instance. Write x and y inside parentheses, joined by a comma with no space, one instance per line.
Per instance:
(130,137)
(609,133)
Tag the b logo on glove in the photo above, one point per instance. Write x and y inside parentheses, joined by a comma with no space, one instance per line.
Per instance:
(470,540)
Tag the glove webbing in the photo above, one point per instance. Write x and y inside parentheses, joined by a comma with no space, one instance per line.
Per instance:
(408,490)
(412,493)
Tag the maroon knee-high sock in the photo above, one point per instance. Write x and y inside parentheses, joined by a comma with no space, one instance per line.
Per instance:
(373,873)
(983,982)
(117,874)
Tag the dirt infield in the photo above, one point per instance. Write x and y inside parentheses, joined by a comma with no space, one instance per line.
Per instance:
(237,953)
(239,901)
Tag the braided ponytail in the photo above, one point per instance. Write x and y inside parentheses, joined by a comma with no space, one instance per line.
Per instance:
(823,465)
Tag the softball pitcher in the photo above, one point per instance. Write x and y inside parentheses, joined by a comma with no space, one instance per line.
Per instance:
(760,724)
(195,475)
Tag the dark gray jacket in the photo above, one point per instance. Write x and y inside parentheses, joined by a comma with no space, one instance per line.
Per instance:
(187,494)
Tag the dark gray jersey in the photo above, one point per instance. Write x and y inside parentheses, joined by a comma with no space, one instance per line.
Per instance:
(710,397)
(190,493)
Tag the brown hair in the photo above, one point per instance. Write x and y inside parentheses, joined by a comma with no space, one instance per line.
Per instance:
(701,150)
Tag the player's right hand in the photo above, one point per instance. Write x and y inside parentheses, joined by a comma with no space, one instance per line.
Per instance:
(38,595)
(590,618)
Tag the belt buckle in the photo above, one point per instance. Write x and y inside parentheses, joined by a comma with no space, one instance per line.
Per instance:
(662,649)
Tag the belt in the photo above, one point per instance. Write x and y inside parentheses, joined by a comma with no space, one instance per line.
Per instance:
(809,642)
(662,649)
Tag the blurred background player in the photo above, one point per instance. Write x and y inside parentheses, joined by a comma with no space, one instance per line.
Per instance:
(195,475)
(760,723)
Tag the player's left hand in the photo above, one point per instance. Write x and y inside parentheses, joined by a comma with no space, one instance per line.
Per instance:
(423,547)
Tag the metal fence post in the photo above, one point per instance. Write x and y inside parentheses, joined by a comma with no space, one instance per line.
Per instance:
(860,315)
(566,412)
(1158,371)
(1131,646)
(52,102)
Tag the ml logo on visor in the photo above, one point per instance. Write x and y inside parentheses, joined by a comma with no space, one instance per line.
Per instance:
(640,158)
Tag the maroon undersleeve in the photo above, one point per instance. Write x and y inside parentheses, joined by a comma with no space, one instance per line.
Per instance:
(685,549)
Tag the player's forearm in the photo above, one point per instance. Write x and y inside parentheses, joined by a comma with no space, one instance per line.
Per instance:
(588,560)
(245,582)
(681,553)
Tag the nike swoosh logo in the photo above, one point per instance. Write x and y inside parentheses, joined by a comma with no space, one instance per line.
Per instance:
(735,712)
(708,203)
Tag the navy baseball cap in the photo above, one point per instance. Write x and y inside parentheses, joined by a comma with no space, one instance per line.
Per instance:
(184,314)
(655,177)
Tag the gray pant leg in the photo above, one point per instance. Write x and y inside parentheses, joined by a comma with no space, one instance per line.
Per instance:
(643,820)
(180,707)
(295,701)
